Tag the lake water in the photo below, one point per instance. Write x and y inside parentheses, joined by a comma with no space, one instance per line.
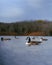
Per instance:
(16,52)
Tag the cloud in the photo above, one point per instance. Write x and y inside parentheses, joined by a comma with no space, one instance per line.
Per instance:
(11,8)
(12,12)
(35,3)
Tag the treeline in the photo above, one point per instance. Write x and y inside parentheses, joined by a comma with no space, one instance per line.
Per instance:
(26,27)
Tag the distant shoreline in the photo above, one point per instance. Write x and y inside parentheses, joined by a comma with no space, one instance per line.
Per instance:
(31,28)
(27,34)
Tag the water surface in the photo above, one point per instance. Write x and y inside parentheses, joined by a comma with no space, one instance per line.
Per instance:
(16,52)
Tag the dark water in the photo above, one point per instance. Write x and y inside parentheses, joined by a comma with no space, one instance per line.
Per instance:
(16,52)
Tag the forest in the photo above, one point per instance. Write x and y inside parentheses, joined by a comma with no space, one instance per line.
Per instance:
(26,27)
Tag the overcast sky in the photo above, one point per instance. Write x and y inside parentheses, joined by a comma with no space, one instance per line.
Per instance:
(19,10)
